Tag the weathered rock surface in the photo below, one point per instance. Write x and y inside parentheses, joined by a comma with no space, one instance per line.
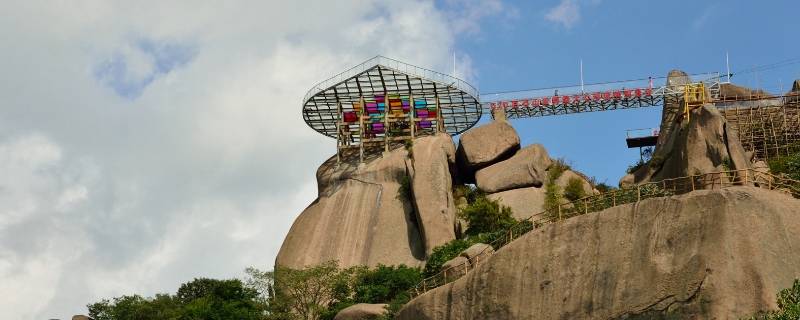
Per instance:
(361,311)
(359,218)
(484,145)
(80,317)
(478,251)
(720,254)
(523,202)
(525,169)
(568,175)
(432,186)
(705,143)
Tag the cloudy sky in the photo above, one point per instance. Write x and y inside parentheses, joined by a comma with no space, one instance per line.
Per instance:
(143,144)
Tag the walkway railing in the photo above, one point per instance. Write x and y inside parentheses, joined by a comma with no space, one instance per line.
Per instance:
(594,203)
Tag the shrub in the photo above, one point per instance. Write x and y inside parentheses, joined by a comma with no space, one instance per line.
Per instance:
(788,305)
(603,187)
(484,215)
(574,189)
(405,192)
(444,253)
(788,165)
(636,166)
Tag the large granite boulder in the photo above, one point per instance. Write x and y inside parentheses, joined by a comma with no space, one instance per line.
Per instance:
(476,253)
(524,202)
(709,254)
(454,268)
(526,168)
(359,217)
(568,175)
(485,145)
(432,186)
(362,311)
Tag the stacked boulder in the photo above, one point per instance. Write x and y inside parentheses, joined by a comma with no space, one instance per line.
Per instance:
(491,157)
(466,260)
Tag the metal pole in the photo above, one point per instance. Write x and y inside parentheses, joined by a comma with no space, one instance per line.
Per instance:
(386,122)
(361,129)
(582,91)
(728,66)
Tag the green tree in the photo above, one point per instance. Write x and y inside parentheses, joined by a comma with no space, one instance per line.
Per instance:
(198,299)
(788,305)
(484,215)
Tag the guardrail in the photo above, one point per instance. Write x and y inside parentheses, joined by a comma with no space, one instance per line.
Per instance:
(396,65)
(594,203)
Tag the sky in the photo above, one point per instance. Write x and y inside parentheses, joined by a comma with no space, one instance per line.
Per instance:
(147,143)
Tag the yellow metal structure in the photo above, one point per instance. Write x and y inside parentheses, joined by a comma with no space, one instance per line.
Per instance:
(694,96)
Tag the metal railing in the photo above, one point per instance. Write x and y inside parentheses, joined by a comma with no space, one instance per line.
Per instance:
(397,65)
(594,203)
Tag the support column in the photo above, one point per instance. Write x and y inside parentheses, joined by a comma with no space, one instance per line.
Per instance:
(386,109)
(411,114)
(361,129)
(439,125)
(338,132)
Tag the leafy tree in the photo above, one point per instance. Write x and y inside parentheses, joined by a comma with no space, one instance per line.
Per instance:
(484,215)
(198,299)
(444,253)
(310,293)
(788,305)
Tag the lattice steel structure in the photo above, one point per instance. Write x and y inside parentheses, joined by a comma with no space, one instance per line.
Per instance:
(618,95)
(383,101)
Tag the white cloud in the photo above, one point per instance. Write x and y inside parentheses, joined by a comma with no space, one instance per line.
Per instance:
(567,13)
(190,158)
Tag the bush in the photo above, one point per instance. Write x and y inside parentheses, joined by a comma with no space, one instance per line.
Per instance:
(788,305)
(444,253)
(484,215)
(405,192)
(199,299)
(788,165)
(636,166)
(574,189)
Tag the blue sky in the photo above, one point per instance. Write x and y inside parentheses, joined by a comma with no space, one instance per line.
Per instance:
(620,40)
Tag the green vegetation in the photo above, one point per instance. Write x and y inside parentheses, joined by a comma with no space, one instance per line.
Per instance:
(636,166)
(787,165)
(574,189)
(317,292)
(788,305)
(405,191)
(487,219)
(552,192)
(199,299)
(484,215)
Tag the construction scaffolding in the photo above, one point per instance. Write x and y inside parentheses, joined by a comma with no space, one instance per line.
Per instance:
(384,101)
(768,131)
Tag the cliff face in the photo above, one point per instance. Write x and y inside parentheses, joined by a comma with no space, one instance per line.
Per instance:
(359,218)
(390,210)
(705,255)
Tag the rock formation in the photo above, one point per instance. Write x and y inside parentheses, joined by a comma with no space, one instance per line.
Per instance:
(361,311)
(719,254)
(703,144)
(525,168)
(432,186)
(359,217)
(484,145)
